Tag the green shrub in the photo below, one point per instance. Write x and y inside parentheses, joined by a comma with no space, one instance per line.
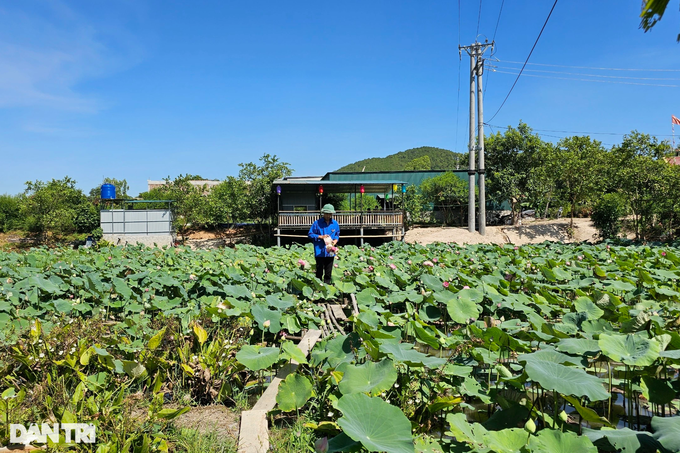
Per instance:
(9,213)
(607,214)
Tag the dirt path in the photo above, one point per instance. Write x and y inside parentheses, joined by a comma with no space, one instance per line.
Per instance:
(530,232)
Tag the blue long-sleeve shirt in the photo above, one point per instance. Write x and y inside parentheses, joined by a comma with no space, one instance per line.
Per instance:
(321,228)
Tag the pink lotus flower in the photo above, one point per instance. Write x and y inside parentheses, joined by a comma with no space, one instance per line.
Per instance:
(391,257)
(392,266)
(266,271)
(370,268)
(410,262)
(302,262)
(335,265)
(446,284)
(146,290)
(498,305)
(466,287)
(321,445)
(663,253)
(516,248)
(434,260)
(428,263)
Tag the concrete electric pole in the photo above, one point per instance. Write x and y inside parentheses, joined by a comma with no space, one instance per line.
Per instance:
(476,51)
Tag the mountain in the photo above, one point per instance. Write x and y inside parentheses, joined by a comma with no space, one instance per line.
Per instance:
(440,159)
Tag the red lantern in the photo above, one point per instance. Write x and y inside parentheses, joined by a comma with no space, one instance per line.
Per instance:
(321,189)
(361,189)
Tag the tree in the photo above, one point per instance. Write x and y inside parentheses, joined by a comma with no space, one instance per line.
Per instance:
(121,185)
(580,164)
(447,192)
(510,157)
(652,12)
(54,207)
(261,200)
(642,176)
(419,163)
(228,201)
(190,207)
(9,212)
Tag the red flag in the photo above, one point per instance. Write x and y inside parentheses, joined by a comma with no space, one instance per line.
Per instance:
(675,120)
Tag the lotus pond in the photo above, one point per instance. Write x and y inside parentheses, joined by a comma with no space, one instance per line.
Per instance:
(539,348)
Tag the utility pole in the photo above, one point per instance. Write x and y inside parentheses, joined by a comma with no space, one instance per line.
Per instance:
(476,51)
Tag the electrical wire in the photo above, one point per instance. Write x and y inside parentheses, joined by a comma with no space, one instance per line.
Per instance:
(494,67)
(587,80)
(591,67)
(570,132)
(498,21)
(479,16)
(459,67)
(527,60)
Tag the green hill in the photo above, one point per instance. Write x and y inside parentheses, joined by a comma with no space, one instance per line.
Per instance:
(440,159)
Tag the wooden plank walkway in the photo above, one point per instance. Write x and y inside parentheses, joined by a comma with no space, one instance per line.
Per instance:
(254,433)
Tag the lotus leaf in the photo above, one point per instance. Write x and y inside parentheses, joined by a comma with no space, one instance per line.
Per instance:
(629,349)
(373,378)
(554,441)
(667,432)
(404,353)
(624,440)
(566,380)
(257,357)
(378,425)
(294,392)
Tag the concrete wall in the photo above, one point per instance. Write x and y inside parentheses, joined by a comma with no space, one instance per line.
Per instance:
(143,226)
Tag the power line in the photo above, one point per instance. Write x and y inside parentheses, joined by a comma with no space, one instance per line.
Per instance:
(494,67)
(571,132)
(587,80)
(498,21)
(459,66)
(479,16)
(527,60)
(591,67)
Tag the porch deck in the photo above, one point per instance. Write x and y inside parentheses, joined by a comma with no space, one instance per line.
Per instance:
(294,220)
(374,224)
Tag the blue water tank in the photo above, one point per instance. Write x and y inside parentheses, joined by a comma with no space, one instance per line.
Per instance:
(108,192)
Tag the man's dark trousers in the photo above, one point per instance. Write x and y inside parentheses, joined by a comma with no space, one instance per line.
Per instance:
(324,267)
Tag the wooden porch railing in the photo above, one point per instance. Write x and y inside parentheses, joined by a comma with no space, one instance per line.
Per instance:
(373,219)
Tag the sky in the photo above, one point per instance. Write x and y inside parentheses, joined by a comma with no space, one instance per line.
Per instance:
(149,89)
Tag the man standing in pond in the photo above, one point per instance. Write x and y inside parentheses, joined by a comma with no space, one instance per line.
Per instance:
(325,233)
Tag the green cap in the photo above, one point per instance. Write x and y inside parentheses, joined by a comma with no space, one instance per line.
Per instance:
(328,209)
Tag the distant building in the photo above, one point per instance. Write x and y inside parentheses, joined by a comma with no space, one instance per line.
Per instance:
(208,183)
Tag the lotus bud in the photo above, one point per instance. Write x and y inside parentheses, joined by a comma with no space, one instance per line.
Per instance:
(563,416)
(267,323)
(530,426)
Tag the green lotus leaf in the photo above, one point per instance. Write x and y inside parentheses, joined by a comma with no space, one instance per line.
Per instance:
(656,390)
(462,308)
(585,305)
(566,380)
(378,425)
(294,392)
(262,314)
(290,351)
(510,440)
(257,357)
(549,355)
(618,285)
(579,346)
(404,352)
(667,432)
(554,441)
(624,440)
(464,431)
(371,377)
(629,349)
